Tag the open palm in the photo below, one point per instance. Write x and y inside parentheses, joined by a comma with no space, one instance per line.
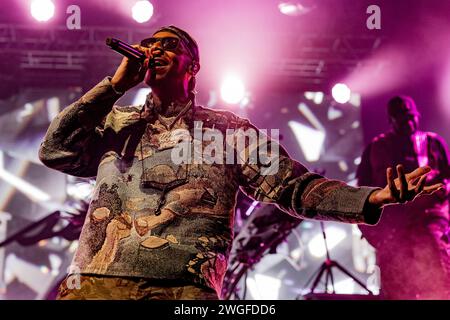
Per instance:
(405,187)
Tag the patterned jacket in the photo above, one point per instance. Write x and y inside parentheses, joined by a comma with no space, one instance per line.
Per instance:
(152,218)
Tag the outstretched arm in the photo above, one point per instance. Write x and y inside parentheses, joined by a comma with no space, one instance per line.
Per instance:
(404,188)
(308,195)
(297,191)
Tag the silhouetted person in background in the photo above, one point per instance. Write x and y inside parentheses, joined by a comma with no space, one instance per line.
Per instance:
(411,239)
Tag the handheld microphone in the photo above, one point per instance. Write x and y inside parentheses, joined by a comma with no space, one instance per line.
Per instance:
(125,49)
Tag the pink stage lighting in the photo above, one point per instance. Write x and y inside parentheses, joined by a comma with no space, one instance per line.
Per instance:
(232,90)
(42,10)
(341,93)
(292,9)
(142,11)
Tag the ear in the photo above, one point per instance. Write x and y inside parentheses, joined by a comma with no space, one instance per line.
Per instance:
(193,68)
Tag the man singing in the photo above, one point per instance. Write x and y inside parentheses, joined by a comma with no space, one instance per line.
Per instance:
(160,229)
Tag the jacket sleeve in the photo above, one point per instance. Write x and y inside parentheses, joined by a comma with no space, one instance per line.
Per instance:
(288,184)
(74,142)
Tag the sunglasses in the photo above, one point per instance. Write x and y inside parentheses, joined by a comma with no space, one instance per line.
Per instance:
(167,43)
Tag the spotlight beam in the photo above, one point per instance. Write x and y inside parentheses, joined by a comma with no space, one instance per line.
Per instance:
(308,114)
(32,192)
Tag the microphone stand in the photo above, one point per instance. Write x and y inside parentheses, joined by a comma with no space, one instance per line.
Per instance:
(326,268)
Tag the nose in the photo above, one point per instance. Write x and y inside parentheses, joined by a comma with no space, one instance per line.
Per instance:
(156,49)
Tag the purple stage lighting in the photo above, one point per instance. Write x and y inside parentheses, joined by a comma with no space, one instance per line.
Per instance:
(42,10)
(292,9)
(142,11)
(232,90)
(341,93)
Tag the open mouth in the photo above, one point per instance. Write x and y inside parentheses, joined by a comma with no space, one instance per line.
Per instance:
(160,63)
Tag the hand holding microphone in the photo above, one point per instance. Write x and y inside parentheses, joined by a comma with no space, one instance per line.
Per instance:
(125,49)
(133,67)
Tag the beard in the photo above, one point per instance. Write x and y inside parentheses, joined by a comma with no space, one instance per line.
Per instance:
(406,129)
(170,74)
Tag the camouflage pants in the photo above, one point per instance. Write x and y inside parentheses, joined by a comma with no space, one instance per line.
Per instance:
(120,288)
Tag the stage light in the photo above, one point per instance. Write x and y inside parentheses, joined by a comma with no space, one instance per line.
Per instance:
(309,139)
(355,100)
(316,97)
(253,288)
(142,11)
(251,208)
(355,124)
(80,191)
(232,90)
(316,245)
(42,10)
(28,189)
(53,108)
(341,93)
(287,8)
(310,116)
(32,192)
(293,9)
(296,254)
(44,269)
(334,113)
(263,287)
(33,276)
(55,263)
(343,165)
(310,95)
